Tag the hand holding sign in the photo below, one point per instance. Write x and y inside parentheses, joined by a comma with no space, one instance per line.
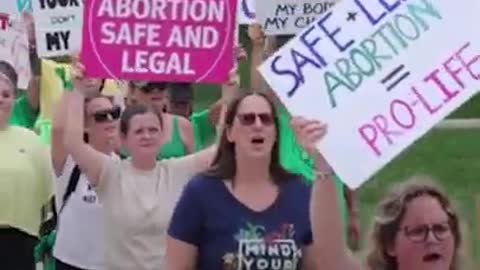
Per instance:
(256,35)
(88,86)
(240,53)
(309,133)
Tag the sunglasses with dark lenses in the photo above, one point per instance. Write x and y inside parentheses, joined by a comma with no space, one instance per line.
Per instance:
(154,86)
(107,115)
(248,119)
(419,233)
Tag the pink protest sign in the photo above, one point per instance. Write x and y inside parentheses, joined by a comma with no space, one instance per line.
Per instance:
(159,40)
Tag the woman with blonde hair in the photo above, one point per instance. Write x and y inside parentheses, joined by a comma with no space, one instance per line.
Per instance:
(415,228)
(25,181)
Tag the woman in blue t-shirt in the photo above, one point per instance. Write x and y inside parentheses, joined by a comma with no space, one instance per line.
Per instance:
(247,212)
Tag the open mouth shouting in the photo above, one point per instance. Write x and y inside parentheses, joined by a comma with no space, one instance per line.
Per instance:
(432,257)
(257,141)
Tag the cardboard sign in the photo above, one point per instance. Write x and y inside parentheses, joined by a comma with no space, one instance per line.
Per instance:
(175,41)
(14,44)
(288,17)
(380,74)
(58,26)
(246,11)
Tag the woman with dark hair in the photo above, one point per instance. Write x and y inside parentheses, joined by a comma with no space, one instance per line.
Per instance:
(180,99)
(80,233)
(247,211)
(415,228)
(138,194)
(25,182)
(292,156)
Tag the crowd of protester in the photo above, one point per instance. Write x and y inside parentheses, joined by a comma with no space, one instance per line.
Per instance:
(136,179)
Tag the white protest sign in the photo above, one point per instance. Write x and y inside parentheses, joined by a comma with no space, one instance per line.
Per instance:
(14,43)
(380,74)
(58,26)
(246,11)
(288,17)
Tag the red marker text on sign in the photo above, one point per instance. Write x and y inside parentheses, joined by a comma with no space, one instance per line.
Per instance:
(4,18)
(402,115)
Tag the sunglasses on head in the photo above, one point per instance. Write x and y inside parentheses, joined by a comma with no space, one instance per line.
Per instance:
(248,119)
(107,115)
(420,233)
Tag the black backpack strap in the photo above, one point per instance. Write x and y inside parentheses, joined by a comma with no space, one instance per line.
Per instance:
(51,224)
(72,185)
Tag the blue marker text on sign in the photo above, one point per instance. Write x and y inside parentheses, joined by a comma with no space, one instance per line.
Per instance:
(411,63)
(365,59)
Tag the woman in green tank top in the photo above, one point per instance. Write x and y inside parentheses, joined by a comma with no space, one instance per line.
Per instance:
(176,146)
(178,140)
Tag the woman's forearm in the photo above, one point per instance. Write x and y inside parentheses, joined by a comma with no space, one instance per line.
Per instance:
(257,57)
(74,120)
(328,234)
(89,160)
(59,152)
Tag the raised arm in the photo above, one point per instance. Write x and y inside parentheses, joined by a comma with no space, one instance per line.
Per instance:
(257,55)
(88,159)
(59,153)
(353,218)
(329,248)
(33,93)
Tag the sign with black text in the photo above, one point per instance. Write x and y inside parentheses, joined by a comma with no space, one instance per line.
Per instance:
(288,17)
(58,26)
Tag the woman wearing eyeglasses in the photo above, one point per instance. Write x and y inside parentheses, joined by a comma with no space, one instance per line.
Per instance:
(25,182)
(80,234)
(177,131)
(247,211)
(415,228)
(138,194)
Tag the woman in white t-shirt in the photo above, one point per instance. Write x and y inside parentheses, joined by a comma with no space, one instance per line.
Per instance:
(138,194)
(80,235)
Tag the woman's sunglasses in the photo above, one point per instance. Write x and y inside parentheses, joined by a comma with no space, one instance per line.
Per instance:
(107,115)
(419,233)
(248,119)
(148,87)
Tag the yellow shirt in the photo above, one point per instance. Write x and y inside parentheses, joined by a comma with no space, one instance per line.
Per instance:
(25,179)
